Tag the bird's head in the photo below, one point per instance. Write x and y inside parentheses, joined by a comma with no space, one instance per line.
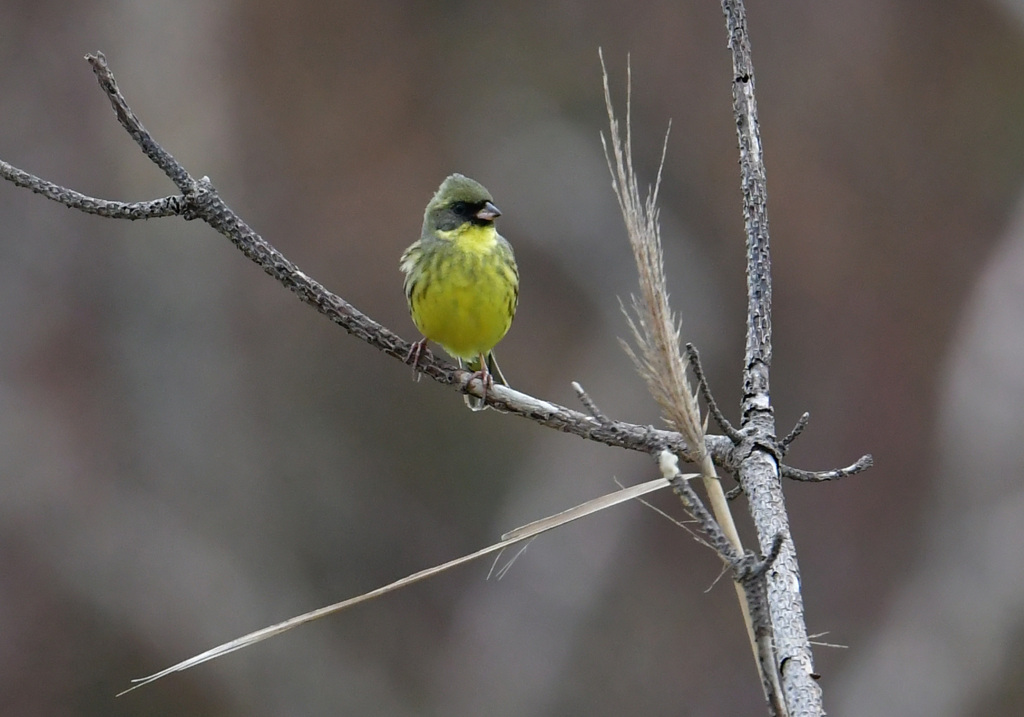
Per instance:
(458,201)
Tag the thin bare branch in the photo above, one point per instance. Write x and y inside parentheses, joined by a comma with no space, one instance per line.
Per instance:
(201,201)
(152,209)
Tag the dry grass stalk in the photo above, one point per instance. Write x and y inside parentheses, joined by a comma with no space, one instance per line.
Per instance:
(656,330)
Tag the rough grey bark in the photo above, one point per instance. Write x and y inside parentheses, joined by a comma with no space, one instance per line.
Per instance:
(759,470)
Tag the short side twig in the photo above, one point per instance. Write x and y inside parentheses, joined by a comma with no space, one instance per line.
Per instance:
(862,464)
(589,404)
(705,391)
(152,209)
(157,154)
(783,446)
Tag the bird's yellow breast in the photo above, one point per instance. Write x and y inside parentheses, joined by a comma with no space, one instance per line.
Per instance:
(465,290)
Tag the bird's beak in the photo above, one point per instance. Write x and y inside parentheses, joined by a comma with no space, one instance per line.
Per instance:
(488,212)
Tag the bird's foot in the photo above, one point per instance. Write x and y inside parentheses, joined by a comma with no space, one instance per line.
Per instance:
(487,379)
(415,353)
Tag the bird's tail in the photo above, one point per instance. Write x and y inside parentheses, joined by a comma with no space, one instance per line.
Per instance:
(475,403)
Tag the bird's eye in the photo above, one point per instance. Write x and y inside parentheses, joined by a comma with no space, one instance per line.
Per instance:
(460,208)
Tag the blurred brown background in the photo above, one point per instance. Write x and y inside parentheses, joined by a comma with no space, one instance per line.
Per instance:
(189,453)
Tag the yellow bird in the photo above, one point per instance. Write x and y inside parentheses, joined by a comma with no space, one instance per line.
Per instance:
(461,280)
